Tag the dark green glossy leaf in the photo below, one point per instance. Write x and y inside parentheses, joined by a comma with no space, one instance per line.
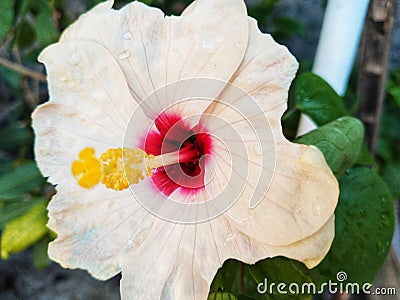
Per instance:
(18,182)
(340,141)
(226,277)
(391,175)
(221,296)
(364,222)
(366,159)
(316,98)
(271,272)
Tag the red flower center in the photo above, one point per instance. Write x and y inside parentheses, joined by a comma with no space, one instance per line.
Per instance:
(171,134)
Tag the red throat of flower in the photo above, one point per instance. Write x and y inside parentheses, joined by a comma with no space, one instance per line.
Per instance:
(172,134)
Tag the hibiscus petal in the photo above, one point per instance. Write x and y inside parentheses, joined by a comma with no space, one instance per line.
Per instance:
(96,228)
(303,193)
(180,261)
(208,40)
(164,269)
(90,106)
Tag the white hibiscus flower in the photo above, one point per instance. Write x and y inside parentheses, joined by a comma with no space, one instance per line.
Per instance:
(223,182)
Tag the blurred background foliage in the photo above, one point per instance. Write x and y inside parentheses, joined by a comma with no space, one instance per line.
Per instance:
(27,26)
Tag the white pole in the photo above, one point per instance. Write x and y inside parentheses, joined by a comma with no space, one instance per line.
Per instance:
(337,47)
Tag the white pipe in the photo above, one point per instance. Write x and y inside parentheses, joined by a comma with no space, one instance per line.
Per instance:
(337,47)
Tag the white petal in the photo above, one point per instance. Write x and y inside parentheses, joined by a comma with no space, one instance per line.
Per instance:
(96,228)
(303,192)
(208,40)
(89,106)
(164,269)
(302,197)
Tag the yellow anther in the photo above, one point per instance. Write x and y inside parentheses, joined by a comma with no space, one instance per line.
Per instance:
(124,166)
(87,170)
(117,168)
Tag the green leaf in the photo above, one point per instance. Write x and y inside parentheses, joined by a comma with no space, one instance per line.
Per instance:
(316,98)
(391,175)
(11,209)
(39,254)
(24,231)
(12,77)
(395,93)
(274,270)
(340,141)
(366,159)
(45,28)
(25,35)
(226,277)
(12,138)
(221,296)
(18,182)
(270,272)
(364,223)
(6,16)
(5,166)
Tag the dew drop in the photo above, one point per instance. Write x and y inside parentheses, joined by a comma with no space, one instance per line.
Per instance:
(385,219)
(238,44)
(316,209)
(127,35)
(129,243)
(362,212)
(72,59)
(297,210)
(249,81)
(209,47)
(123,55)
(229,239)
(379,245)
(258,149)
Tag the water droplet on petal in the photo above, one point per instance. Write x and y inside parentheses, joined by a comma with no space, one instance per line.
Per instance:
(297,209)
(129,243)
(209,47)
(317,209)
(127,35)
(123,55)
(249,81)
(72,59)
(258,149)
(229,239)
(238,44)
